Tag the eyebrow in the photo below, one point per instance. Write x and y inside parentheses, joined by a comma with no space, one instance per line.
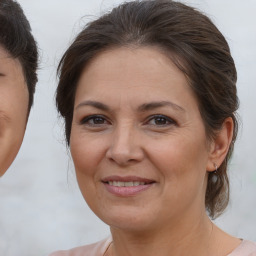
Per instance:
(95,104)
(159,104)
(141,108)
(1,74)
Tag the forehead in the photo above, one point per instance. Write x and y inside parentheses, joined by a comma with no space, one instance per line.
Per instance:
(130,77)
(8,65)
(128,67)
(11,73)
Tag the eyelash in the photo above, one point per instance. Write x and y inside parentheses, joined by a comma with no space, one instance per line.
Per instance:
(89,118)
(168,121)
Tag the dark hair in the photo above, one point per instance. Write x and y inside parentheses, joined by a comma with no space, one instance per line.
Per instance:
(193,43)
(17,40)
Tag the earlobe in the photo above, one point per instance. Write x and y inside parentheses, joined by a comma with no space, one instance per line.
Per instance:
(220,145)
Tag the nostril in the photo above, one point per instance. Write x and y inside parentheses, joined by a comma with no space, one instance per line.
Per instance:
(122,160)
(124,150)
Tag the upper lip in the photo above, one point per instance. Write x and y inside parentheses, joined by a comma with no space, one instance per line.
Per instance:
(127,179)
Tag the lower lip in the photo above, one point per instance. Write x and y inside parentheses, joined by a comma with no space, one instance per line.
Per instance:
(127,191)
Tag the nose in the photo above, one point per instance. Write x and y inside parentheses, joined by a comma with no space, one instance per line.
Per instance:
(125,147)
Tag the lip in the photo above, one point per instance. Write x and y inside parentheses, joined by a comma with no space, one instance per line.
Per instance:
(126,191)
(126,179)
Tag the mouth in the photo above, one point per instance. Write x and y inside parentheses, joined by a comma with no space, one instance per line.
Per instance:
(127,186)
(126,183)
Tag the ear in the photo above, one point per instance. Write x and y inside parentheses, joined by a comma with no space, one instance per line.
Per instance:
(220,145)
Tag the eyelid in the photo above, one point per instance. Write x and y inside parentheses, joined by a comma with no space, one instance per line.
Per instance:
(90,117)
(169,119)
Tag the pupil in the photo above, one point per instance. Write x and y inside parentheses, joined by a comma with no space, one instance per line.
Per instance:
(98,120)
(160,120)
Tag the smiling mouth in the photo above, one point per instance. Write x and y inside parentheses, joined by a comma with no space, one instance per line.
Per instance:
(127,186)
(126,183)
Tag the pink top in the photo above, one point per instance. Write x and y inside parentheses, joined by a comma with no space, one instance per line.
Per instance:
(97,249)
(246,248)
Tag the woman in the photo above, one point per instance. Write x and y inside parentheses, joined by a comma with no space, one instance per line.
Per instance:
(148,95)
(18,64)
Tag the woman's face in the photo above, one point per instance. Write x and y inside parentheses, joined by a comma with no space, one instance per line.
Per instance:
(13,108)
(138,141)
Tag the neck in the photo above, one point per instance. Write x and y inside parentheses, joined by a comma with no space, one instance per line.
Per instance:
(181,238)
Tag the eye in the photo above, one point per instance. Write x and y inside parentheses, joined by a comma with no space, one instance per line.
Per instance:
(94,120)
(160,120)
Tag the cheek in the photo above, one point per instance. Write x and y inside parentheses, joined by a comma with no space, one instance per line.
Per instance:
(13,118)
(87,155)
(86,152)
(181,165)
(180,159)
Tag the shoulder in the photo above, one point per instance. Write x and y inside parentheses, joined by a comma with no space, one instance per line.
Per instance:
(96,249)
(246,248)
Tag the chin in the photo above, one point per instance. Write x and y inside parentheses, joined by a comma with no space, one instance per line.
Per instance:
(129,225)
(128,219)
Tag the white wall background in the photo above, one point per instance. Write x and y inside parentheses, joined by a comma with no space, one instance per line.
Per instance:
(41,208)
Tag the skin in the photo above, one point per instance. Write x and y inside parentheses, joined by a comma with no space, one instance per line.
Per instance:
(118,129)
(13,108)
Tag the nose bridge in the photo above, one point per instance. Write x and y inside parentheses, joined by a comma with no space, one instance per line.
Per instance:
(125,145)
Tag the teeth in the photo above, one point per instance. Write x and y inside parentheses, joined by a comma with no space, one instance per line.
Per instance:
(128,184)
(125,184)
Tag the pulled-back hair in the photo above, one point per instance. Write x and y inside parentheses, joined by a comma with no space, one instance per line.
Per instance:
(191,41)
(17,40)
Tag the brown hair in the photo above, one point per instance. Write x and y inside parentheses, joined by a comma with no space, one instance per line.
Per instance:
(194,44)
(17,40)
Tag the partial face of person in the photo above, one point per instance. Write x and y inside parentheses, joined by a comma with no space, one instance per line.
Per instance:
(13,108)
(138,141)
